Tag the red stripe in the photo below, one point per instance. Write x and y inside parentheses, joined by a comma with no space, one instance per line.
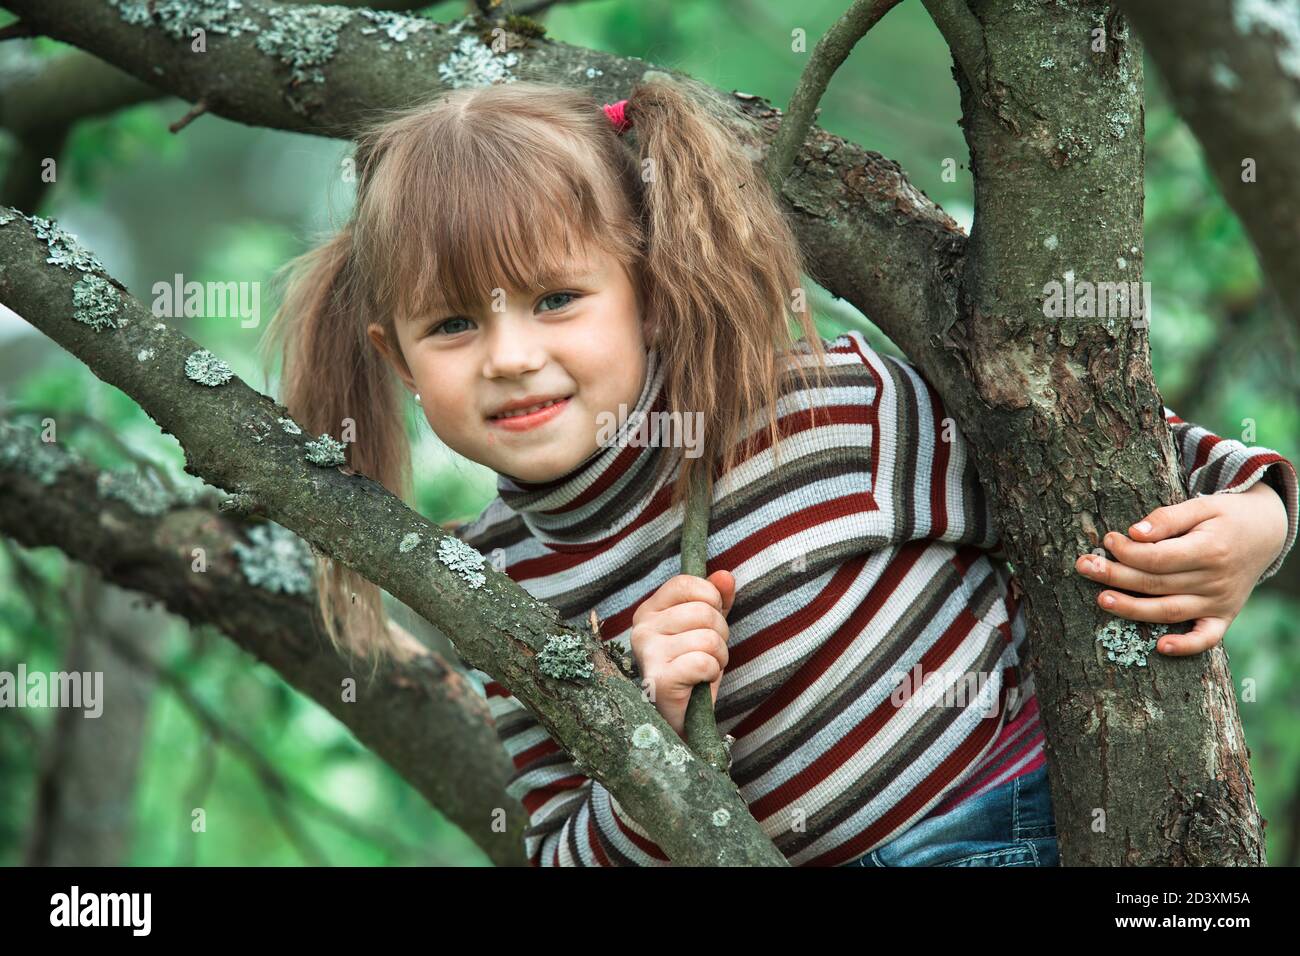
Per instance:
(593,838)
(536,799)
(1252,463)
(793,524)
(829,651)
(939,471)
(917,798)
(769,637)
(645,846)
(857,738)
(1203,450)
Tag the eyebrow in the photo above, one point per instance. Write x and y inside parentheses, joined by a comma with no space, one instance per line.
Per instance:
(438,308)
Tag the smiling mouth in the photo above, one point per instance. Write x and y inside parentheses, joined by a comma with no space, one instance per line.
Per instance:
(530,410)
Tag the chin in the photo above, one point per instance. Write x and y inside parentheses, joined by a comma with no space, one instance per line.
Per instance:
(539,468)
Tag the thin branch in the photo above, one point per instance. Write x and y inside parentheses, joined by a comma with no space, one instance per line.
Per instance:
(195,112)
(832,50)
(700,724)
(965,38)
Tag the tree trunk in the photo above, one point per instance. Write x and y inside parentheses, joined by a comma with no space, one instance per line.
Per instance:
(1148,763)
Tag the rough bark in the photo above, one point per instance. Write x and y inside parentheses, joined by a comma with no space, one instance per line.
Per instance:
(1067,426)
(1077,404)
(421,716)
(233,439)
(1233,72)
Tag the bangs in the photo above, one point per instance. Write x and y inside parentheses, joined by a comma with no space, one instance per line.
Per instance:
(492,214)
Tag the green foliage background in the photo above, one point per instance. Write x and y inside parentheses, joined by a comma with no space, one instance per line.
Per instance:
(221,201)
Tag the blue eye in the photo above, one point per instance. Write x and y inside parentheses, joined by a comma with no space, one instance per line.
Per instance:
(555,294)
(449,326)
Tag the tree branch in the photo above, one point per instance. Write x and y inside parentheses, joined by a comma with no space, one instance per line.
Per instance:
(877,241)
(421,716)
(831,51)
(232,438)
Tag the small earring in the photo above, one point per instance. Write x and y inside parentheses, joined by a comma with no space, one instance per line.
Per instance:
(417,399)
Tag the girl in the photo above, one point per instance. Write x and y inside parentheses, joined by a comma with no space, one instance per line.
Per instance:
(534,283)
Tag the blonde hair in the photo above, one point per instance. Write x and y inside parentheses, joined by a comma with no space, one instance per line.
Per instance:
(502,186)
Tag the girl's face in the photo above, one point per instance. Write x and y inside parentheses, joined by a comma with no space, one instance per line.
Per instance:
(576,342)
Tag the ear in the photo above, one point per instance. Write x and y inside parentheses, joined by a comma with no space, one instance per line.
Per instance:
(392,353)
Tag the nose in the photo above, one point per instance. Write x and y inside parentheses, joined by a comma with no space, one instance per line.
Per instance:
(514,348)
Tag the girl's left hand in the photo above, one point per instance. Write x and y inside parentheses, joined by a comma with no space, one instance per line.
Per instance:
(1202,557)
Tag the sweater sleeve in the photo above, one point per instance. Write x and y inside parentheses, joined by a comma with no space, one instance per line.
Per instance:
(1214,465)
(573,819)
(929,478)
(927,473)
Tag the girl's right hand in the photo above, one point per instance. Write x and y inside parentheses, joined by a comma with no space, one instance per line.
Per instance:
(679,639)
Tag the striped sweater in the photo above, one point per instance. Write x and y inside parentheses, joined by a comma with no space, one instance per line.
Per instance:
(865,565)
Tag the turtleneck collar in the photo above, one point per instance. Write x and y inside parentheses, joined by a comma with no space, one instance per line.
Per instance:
(610,489)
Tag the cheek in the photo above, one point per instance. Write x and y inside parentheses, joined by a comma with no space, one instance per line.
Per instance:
(447,403)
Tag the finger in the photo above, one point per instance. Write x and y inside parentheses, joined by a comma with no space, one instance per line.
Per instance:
(689,617)
(696,667)
(1116,574)
(725,582)
(678,590)
(1184,553)
(704,640)
(713,688)
(1206,634)
(1173,520)
(1170,609)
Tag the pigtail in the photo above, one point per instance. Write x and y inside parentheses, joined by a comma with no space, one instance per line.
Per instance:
(721,270)
(334,381)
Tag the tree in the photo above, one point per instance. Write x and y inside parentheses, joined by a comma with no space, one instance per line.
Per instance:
(1062,412)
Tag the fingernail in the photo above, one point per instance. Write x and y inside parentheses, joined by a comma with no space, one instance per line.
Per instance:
(1107,600)
(1144,526)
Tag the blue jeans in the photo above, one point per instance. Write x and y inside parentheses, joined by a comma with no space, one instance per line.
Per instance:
(1010,825)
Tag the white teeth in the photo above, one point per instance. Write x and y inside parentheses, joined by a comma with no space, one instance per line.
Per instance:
(529,410)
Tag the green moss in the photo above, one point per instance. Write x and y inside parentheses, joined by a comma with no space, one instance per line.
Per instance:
(206,369)
(525,26)
(564,657)
(95,302)
(326,451)
(276,559)
(462,559)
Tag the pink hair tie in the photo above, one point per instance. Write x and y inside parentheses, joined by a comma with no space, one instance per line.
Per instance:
(615,113)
